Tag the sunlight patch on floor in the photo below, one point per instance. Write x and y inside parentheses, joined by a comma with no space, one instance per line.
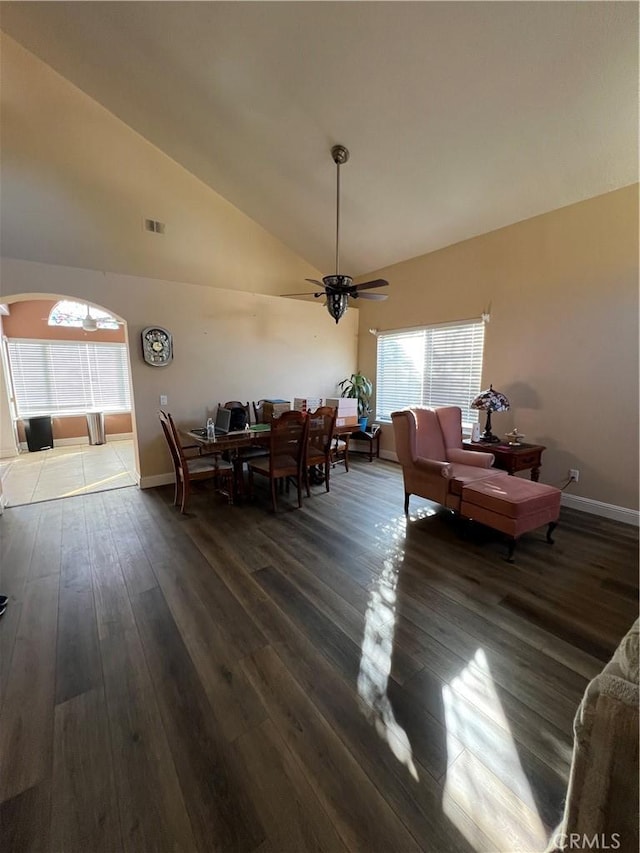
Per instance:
(99,485)
(509,819)
(377,649)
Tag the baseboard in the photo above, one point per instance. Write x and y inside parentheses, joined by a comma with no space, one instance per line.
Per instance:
(157,480)
(83,440)
(3,503)
(616,513)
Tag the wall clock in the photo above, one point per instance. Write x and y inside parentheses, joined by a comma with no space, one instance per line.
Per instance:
(157,346)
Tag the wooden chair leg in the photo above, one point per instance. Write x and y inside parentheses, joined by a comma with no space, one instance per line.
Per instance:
(177,491)
(299,484)
(407,495)
(306,480)
(186,488)
(327,468)
(231,480)
(346,455)
(273,495)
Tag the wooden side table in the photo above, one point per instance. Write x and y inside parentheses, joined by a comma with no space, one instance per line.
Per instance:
(512,457)
(373,437)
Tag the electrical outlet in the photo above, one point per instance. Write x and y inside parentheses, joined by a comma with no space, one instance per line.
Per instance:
(574,475)
(163,399)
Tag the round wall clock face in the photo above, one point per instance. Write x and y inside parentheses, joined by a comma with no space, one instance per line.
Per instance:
(157,346)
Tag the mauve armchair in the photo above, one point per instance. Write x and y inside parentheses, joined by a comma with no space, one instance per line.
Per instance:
(434,463)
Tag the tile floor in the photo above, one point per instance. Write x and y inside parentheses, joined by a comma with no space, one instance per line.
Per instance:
(66,471)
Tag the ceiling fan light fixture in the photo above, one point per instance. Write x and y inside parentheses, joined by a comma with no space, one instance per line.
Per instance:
(337,304)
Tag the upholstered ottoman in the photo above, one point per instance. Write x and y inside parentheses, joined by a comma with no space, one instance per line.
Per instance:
(511,505)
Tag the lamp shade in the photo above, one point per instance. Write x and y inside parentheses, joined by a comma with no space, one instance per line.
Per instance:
(490,401)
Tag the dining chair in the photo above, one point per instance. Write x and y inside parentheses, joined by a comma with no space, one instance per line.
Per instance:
(340,450)
(236,404)
(287,451)
(322,423)
(243,454)
(190,468)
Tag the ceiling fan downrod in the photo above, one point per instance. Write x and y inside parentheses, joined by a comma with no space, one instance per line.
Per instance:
(340,156)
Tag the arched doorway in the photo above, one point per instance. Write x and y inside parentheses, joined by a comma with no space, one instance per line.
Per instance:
(63,359)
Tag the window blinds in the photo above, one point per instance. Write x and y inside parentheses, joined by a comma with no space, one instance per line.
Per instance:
(65,377)
(432,366)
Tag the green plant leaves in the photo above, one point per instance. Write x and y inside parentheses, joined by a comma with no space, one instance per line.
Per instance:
(360,388)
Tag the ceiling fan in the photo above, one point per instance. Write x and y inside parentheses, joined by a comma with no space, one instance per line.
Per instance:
(338,288)
(91,323)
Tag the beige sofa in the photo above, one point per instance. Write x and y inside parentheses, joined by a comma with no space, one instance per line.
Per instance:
(602,798)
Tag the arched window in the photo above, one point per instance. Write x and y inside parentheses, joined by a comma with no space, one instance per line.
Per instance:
(80,316)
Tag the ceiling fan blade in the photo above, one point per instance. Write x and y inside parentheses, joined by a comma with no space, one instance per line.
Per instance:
(367,285)
(314,281)
(304,295)
(378,296)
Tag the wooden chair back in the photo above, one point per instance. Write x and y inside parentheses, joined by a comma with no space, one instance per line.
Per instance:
(322,424)
(236,404)
(287,443)
(180,458)
(168,430)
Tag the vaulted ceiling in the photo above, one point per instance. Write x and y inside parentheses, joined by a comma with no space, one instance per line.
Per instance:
(460,117)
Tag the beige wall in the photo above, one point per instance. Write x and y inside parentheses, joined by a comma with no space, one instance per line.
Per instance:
(30,320)
(228,345)
(77,184)
(562,343)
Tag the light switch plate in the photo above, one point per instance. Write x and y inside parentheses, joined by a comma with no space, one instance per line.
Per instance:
(163,399)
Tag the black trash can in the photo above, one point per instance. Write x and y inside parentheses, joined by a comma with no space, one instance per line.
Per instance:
(39,433)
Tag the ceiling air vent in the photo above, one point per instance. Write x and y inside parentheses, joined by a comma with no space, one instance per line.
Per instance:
(154,225)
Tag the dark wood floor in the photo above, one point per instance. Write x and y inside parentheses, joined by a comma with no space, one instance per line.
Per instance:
(326,679)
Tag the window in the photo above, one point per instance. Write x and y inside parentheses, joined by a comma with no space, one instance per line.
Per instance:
(68,377)
(432,366)
(67,313)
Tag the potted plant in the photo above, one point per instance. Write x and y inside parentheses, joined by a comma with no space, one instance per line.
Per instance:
(360,388)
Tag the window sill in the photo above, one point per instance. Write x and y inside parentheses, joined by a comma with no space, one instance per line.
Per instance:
(78,414)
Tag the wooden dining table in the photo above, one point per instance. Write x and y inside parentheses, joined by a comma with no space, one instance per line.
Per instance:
(236,440)
(246,437)
(229,443)
(231,440)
